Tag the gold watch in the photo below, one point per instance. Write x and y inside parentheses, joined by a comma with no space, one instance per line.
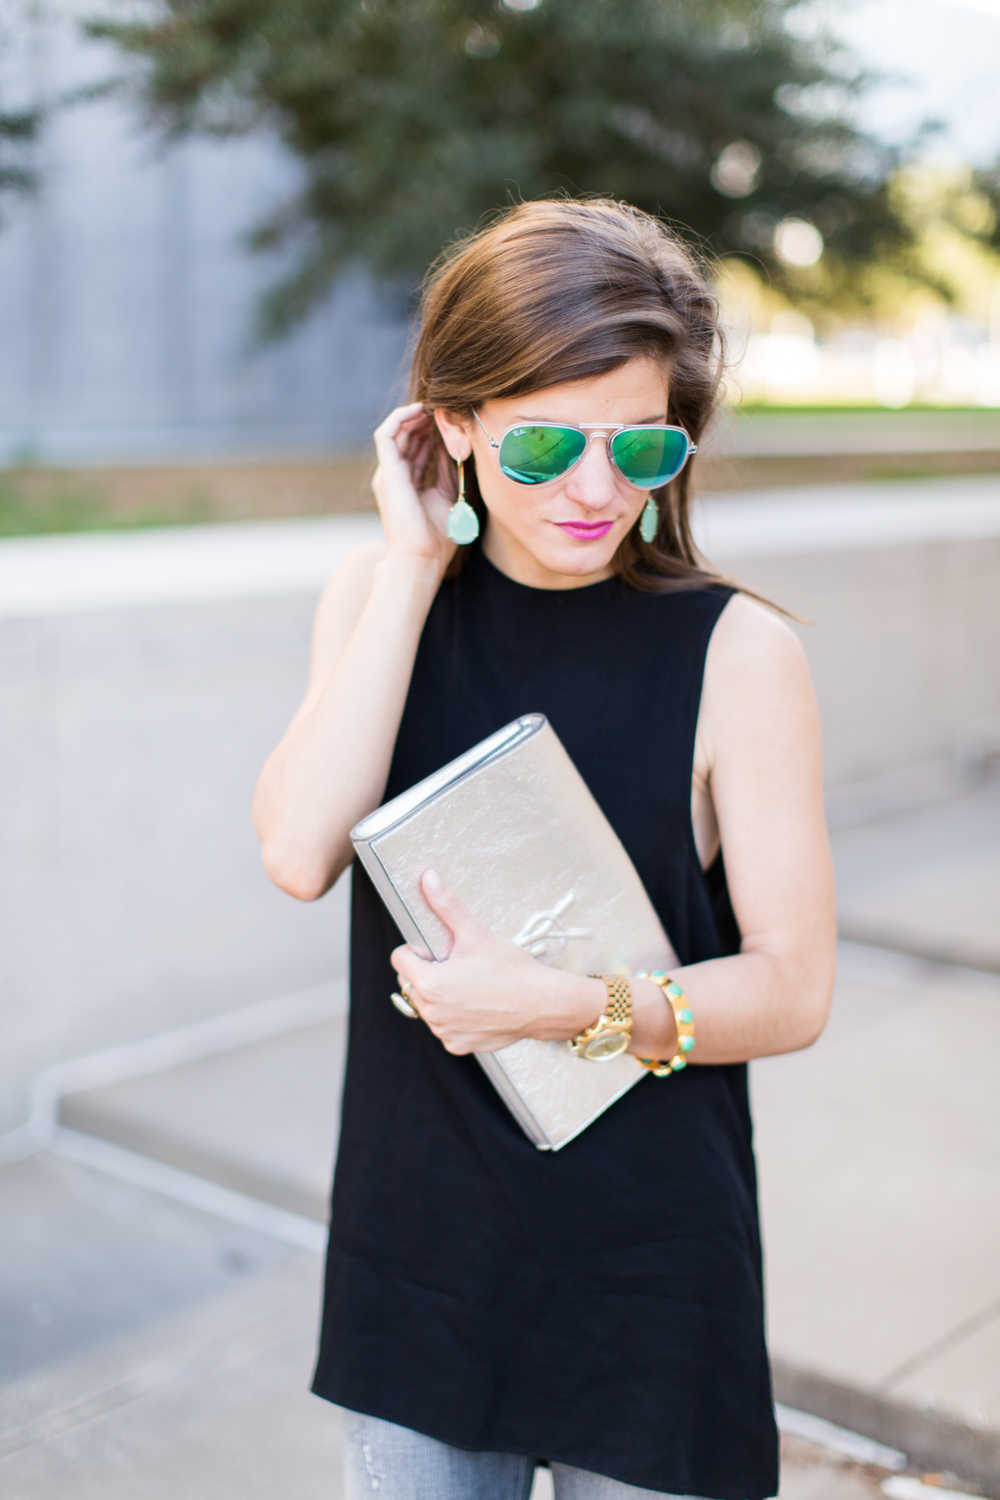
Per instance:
(611,1033)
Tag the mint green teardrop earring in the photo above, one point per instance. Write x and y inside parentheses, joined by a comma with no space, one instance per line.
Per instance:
(463,523)
(650,522)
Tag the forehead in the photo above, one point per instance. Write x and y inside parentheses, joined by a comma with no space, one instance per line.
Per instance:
(634,392)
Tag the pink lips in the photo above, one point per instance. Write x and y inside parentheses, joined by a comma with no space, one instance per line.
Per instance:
(586,531)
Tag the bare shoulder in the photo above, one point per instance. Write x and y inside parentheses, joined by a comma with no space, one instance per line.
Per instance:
(750,643)
(757,682)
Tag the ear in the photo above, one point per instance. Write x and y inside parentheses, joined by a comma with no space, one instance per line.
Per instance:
(454,434)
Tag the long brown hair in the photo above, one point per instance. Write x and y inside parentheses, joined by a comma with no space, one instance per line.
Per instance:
(561,290)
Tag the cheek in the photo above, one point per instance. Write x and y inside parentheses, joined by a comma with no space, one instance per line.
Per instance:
(516,506)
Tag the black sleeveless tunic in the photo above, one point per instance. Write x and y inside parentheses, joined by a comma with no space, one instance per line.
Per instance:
(601,1305)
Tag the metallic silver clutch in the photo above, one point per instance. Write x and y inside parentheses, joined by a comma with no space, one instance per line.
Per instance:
(513,829)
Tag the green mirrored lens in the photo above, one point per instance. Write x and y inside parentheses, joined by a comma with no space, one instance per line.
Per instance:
(534,455)
(649,456)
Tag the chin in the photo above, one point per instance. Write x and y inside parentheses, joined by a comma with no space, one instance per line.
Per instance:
(578,559)
(559,555)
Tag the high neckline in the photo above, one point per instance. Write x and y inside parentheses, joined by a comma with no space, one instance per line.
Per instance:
(480,559)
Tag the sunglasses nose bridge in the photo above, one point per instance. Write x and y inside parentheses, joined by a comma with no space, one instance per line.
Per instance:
(591,485)
(606,435)
(593,437)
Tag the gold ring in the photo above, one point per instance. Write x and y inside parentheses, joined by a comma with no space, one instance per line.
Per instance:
(402,1003)
(404,987)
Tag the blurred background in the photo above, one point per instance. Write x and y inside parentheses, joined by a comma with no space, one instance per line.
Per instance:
(214,217)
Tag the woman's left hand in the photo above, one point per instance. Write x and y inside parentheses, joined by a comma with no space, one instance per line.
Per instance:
(489,992)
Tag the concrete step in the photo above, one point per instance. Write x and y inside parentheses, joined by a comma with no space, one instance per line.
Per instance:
(260,1119)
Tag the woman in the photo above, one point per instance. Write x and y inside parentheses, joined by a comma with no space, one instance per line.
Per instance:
(489,1305)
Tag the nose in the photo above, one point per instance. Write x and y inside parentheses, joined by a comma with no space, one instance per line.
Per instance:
(592,482)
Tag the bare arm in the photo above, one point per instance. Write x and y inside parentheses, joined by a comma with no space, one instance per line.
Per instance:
(759,742)
(758,750)
(331,767)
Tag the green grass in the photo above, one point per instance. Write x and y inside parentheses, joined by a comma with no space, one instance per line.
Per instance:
(765,409)
(34,503)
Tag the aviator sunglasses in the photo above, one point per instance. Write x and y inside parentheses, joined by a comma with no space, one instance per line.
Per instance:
(538,452)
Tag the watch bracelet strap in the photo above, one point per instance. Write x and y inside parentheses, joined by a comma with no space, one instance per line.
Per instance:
(684,1019)
(616,1014)
(619,1007)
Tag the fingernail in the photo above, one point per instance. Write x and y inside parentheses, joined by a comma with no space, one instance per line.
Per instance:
(433,881)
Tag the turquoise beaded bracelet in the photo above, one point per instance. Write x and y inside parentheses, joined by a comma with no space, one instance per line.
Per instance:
(684,1017)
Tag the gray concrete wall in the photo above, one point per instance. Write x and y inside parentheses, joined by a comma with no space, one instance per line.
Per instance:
(904,646)
(132,896)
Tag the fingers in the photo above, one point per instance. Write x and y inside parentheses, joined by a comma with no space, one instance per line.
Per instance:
(419,984)
(410,968)
(390,428)
(453,997)
(410,971)
(414,444)
(448,908)
(404,443)
(391,436)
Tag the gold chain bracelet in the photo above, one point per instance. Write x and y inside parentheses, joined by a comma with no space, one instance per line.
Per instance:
(684,1017)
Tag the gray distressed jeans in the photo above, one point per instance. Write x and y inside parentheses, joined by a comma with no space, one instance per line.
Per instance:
(394,1463)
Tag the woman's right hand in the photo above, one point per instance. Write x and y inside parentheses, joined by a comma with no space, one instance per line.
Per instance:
(415,521)
(331,767)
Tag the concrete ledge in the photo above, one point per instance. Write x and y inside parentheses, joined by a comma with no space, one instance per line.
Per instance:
(257,1117)
(180,565)
(931,1440)
(85,1116)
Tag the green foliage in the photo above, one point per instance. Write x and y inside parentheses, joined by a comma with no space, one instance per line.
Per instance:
(414,118)
(17,132)
(987,184)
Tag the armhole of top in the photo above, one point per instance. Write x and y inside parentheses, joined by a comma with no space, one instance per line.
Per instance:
(714,877)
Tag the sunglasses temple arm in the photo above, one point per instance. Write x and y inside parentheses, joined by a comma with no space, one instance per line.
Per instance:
(488,438)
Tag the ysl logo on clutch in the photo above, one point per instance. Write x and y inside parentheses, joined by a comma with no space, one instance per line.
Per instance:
(543,934)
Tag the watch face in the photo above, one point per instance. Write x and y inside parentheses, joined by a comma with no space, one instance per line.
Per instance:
(607,1045)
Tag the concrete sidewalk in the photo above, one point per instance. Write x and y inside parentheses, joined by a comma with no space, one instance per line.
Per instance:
(879,1155)
(153,1351)
(880,1148)
(201,1390)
